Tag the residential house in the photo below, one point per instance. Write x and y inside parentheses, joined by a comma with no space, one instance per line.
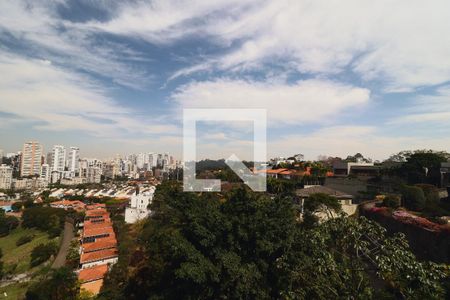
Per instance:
(346,200)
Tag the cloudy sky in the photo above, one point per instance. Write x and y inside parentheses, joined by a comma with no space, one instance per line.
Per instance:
(336,77)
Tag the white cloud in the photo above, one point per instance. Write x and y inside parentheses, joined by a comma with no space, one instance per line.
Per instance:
(403,44)
(42,32)
(346,140)
(308,101)
(162,21)
(428,109)
(58,100)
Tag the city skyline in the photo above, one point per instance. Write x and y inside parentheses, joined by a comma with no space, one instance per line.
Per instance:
(114,77)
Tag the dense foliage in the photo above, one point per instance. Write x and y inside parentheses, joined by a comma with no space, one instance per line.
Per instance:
(421,166)
(247,245)
(42,252)
(60,284)
(413,198)
(7,223)
(24,239)
(44,218)
(73,254)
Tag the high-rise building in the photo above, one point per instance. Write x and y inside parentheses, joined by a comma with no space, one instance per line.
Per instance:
(31,159)
(45,172)
(140,161)
(94,175)
(58,162)
(152,160)
(73,159)
(5,177)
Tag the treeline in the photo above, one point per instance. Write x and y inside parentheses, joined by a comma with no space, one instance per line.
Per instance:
(417,167)
(47,219)
(7,223)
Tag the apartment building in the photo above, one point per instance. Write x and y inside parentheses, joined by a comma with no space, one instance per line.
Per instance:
(5,177)
(31,160)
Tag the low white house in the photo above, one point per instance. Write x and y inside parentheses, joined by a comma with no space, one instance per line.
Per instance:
(138,207)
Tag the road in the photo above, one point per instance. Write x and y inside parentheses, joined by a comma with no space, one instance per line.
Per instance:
(68,235)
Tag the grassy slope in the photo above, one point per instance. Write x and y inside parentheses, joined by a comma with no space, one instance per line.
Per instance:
(14,291)
(20,255)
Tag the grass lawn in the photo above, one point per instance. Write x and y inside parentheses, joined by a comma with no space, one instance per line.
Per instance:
(20,256)
(14,291)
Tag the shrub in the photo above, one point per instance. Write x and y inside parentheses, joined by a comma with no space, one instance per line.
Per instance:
(7,223)
(413,198)
(24,239)
(42,253)
(16,206)
(391,201)
(59,284)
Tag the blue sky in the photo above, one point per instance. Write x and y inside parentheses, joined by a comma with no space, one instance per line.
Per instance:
(335,77)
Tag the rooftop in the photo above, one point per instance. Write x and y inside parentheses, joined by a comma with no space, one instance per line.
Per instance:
(94,273)
(98,255)
(88,225)
(306,192)
(98,231)
(97,212)
(100,244)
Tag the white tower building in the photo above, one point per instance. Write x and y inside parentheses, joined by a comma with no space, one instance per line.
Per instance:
(73,159)
(58,158)
(138,207)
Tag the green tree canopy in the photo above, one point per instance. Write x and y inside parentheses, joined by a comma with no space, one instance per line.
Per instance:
(247,245)
(413,198)
(60,284)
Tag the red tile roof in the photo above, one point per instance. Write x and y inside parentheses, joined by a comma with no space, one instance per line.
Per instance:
(100,244)
(97,212)
(94,273)
(96,206)
(93,286)
(77,205)
(98,231)
(98,255)
(93,225)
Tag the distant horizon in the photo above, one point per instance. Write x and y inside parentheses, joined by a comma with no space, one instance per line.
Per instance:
(179,157)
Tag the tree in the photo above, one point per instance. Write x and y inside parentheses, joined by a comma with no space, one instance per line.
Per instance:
(44,218)
(24,239)
(420,166)
(61,284)
(357,157)
(7,223)
(247,245)
(45,195)
(228,248)
(280,186)
(344,258)
(320,203)
(392,201)
(42,253)
(16,206)
(73,255)
(413,198)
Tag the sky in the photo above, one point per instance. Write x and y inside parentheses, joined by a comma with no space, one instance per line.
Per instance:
(336,77)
